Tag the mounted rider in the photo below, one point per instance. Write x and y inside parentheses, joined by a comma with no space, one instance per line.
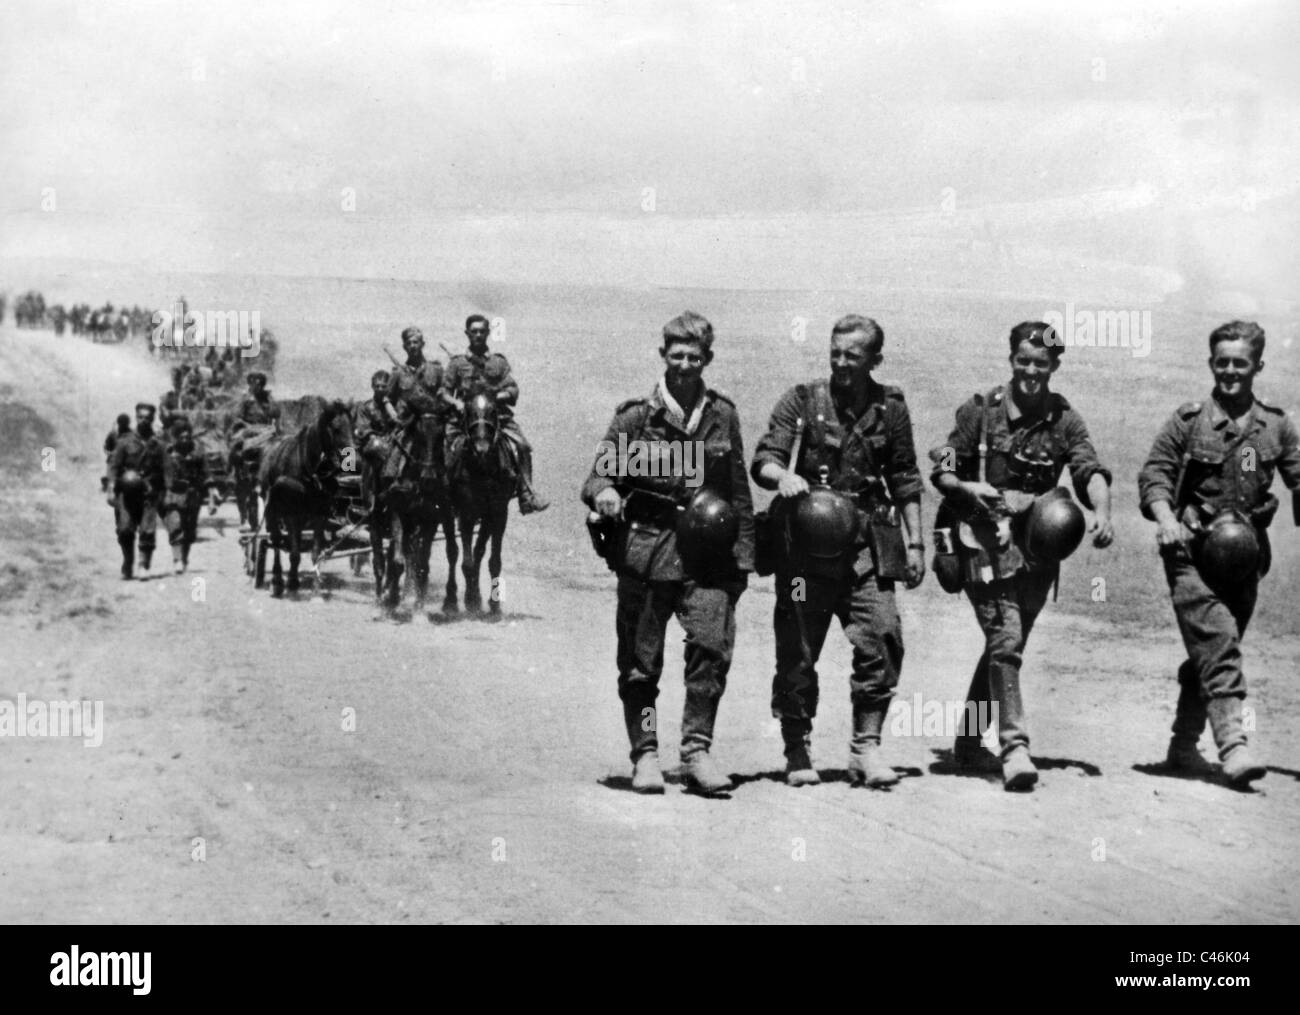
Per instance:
(256,423)
(372,427)
(418,408)
(480,371)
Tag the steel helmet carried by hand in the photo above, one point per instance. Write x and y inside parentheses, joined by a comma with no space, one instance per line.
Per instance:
(131,482)
(1230,550)
(707,529)
(823,523)
(1055,526)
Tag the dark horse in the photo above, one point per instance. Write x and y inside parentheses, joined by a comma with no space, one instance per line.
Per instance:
(481,472)
(299,474)
(410,504)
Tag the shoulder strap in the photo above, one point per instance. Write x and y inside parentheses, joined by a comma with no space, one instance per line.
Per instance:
(820,406)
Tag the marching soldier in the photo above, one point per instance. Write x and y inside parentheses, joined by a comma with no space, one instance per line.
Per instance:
(135,472)
(123,426)
(480,370)
(185,476)
(1206,486)
(842,542)
(681,541)
(1007,451)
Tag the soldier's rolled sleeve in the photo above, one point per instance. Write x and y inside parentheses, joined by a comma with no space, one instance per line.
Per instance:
(782,431)
(741,499)
(903,476)
(960,454)
(1083,460)
(1159,475)
(1288,464)
(509,388)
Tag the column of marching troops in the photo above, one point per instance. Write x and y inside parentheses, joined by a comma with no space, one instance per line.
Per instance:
(846,527)
(151,478)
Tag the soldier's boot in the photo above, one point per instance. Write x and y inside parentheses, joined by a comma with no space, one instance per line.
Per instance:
(1240,766)
(699,771)
(529,500)
(1018,771)
(866,766)
(799,770)
(178,565)
(1189,724)
(146,558)
(185,557)
(127,543)
(640,719)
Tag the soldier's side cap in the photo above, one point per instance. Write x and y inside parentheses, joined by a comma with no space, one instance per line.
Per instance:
(690,327)
(256,375)
(146,405)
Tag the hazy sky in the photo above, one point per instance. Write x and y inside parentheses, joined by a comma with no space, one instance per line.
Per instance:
(724,143)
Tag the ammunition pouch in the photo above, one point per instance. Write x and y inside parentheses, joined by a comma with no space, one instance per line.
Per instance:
(888,547)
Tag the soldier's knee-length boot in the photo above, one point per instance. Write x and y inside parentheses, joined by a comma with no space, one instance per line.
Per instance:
(126,541)
(1239,764)
(529,501)
(865,763)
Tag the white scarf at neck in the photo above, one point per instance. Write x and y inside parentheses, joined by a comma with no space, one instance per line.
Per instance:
(675,412)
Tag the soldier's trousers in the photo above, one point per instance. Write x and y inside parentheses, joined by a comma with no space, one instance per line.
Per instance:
(137,515)
(866,609)
(1006,611)
(181,522)
(1212,624)
(708,616)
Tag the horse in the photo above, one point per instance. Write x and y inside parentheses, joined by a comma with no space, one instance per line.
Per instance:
(482,475)
(411,503)
(299,474)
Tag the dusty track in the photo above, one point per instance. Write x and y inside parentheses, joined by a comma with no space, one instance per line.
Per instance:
(485,779)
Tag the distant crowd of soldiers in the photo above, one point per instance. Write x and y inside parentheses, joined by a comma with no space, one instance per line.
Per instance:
(105,324)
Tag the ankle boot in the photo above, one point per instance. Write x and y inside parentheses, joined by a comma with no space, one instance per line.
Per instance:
(799,770)
(529,501)
(1240,766)
(865,763)
(1189,723)
(127,545)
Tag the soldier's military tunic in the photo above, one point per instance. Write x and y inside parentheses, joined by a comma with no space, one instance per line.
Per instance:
(469,374)
(1026,453)
(654,582)
(372,428)
(185,478)
(255,411)
(137,513)
(1230,464)
(420,409)
(867,450)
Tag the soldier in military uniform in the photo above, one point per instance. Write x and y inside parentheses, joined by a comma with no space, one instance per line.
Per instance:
(135,472)
(1211,459)
(123,425)
(1020,436)
(185,475)
(659,576)
(480,370)
(372,423)
(854,435)
(257,408)
(418,402)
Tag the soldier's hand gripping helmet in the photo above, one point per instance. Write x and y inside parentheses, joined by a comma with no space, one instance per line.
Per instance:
(1055,526)
(706,531)
(1229,553)
(823,523)
(131,483)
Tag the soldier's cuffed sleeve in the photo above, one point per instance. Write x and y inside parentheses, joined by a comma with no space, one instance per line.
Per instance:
(504,386)
(901,472)
(782,431)
(960,454)
(1159,475)
(1083,460)
(741,499)
(1288,464)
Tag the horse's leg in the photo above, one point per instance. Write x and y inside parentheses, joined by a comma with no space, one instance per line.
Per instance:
(500,512)
(421,546)
(317,551)
(466,520)
(273,534)
(295,550)
(451,596)
(377,551)
(481,540)
(396,565)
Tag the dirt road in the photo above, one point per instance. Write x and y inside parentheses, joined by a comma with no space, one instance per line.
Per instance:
(485,778)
